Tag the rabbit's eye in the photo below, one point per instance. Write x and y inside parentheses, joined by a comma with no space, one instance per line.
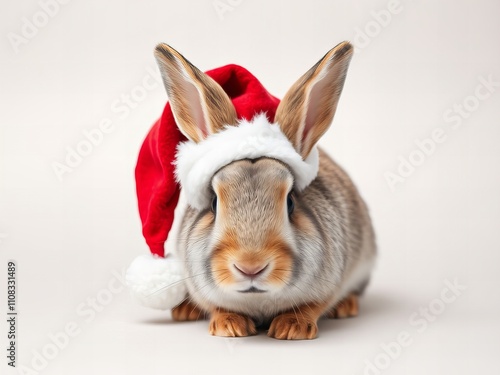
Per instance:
(290,204)
(214,204)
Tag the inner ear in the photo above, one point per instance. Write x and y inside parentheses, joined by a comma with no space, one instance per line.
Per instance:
(193,96)
(321,107)
(185,99)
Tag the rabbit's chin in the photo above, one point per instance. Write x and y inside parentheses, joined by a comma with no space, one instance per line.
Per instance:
(248,289)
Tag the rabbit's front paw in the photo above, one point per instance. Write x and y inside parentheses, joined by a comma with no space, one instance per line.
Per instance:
(291,326)
(230,324)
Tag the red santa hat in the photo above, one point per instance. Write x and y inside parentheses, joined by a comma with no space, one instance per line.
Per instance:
(169,162)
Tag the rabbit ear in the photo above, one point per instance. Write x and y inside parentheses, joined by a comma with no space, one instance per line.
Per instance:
(200,106)
(307,110)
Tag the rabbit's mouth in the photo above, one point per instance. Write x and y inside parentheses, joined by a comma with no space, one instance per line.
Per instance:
(252,289)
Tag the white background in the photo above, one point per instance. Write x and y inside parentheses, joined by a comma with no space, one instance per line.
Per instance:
(70,236)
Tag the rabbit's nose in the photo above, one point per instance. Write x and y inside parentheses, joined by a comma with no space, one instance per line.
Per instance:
(250,271)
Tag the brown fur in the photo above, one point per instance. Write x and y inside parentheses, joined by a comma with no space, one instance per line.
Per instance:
(347,308)
(229,324)
(272,251)
(297,324)
(187,311)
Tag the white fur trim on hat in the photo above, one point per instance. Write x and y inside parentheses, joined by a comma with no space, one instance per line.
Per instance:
(157,282)
(196,163)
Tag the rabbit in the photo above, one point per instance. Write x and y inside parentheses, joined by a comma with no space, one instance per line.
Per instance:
(266,253)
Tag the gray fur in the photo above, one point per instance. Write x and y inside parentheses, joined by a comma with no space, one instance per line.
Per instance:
(322,262)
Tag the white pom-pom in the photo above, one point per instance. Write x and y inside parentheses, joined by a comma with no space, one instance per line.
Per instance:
(157,282)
